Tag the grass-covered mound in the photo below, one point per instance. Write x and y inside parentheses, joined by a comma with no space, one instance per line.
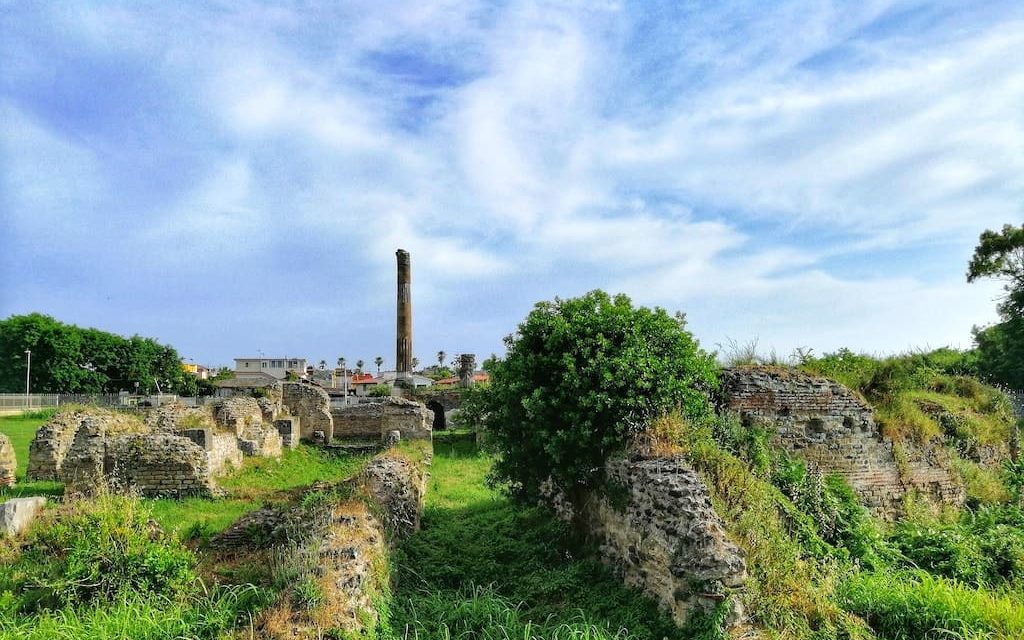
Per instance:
(102,568)
(821,567)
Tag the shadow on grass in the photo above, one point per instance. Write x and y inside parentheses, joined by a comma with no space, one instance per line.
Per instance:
(29,489)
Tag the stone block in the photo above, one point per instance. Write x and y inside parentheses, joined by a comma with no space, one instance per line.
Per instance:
(17,514)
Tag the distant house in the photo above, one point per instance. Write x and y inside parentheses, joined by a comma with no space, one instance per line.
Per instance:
(277,367)
(197,370)
(244,384)
(418,381)
(478,377)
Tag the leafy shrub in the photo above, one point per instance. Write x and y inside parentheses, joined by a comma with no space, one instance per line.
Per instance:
(379,391)
(582,377)
(97,550)
(946,550)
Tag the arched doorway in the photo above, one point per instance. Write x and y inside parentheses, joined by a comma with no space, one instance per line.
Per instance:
(440,423)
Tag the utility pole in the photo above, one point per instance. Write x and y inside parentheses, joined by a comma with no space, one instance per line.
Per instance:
(28,370)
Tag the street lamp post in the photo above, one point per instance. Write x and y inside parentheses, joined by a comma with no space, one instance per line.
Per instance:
(28,370)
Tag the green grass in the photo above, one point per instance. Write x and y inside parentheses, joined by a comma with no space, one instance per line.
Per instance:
(483,567)
(917,606)
(21,430)
(206,616)
(259,481)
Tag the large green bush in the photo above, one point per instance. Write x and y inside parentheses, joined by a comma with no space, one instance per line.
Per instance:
(581,378)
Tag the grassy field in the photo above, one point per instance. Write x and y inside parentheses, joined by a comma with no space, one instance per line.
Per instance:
(483,567)
(21,429)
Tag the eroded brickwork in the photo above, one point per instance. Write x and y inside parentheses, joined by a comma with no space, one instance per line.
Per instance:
(312,406)
(661,532)
(8,462)
(830,427)
(376,419)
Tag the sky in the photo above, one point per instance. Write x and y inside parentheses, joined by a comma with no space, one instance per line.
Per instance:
(233,178)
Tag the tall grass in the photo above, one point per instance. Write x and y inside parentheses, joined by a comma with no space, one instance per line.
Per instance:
(913,605)
(483,567)
(134,617)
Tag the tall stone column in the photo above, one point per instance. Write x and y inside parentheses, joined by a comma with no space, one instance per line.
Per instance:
(467,365)
(403,350)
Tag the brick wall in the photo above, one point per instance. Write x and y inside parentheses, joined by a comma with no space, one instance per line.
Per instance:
(834,430)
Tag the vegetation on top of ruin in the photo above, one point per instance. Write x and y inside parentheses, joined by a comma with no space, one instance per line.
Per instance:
(580,379)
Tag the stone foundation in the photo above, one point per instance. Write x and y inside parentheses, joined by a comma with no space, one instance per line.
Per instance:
(376,419)
(834,431)
(312,406)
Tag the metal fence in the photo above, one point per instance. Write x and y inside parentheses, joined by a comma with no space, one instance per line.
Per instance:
(10,402)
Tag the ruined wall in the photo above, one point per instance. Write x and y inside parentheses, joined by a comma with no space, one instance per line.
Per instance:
(237,412)
(289,430)
(261,440)
(659,530)
(53,440)
(174,417)
(374,420)
(98,449)
(831,428)
(348,538)
(158,465)
(312,405)
(221,449)
(8,462)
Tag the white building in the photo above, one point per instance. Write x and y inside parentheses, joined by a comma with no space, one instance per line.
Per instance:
(277,367)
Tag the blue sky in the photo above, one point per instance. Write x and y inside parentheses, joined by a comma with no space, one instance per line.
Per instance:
(235,177)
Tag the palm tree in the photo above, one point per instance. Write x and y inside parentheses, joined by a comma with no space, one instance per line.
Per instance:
(359,366)
(323,365)
(440,358)
(378,361)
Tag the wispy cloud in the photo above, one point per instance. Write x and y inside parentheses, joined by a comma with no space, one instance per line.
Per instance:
(756,166)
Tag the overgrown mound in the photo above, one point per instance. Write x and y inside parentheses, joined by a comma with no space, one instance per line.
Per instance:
(103,568)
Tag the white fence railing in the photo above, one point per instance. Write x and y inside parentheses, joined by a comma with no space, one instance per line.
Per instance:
(23,402)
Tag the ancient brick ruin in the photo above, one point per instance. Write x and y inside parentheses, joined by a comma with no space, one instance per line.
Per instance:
(8,462)
(834,431)
(374,420)
(171,451)
(312,406)
(661,533)
(348,537)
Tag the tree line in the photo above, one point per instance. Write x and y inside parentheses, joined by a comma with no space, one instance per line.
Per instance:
(70,359)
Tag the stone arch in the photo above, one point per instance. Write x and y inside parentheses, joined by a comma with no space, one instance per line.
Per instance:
(440,422)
